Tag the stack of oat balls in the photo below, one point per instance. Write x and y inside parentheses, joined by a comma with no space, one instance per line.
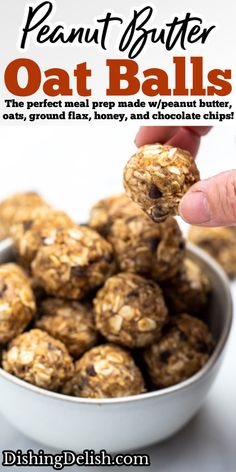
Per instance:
(112,308)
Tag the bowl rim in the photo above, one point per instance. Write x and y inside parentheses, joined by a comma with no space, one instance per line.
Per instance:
(194,252)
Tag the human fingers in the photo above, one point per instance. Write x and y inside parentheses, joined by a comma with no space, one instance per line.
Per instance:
(211,202)
(185,137)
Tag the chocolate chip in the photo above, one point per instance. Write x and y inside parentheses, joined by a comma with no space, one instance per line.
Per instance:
(27,225)
(164,356)
(154,243)
(181,245)
(132,294)
(202,347)
(108,257)
(78,271)
(166,329)
(3,290)
(183,336)
(105,229)
(154,192)
(90,370)
(158,213)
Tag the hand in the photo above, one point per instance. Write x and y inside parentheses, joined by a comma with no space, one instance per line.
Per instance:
(210,202)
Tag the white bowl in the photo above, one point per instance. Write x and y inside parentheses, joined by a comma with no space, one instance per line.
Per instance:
(121,424)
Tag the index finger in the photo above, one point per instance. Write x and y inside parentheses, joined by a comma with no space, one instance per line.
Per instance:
(186,137)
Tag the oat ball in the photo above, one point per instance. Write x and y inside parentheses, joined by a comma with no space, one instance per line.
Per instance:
(106,211)
(130,310)
(17,303)
(78,262)
(21,208)
(39,359)
(157,177)
(188,291)
(220,243)
(70,322)
(184,348)
(147,248)
(106,371)
(41,231)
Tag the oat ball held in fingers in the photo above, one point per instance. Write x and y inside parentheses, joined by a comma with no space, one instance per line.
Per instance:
(78,262)
(21,208)
(106,371)
(187,291)
(184,348)
(130,310)
(106,211)
(157,177)
(220,243)
(147,248)
(70,322)
(39,359)
(41,231)
(17,303)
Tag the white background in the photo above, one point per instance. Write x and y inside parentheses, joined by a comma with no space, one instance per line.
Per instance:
(74,166)
(218,51)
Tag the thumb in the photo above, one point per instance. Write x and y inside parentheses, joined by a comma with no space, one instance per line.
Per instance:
(211,202)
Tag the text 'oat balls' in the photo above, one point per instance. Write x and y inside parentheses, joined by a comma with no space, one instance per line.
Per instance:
(79,261)
(70,322)
(220,243)
(147,248)
(130,310)
(184,348)
(17,303)
(39,359)
(157,177)
(106,371)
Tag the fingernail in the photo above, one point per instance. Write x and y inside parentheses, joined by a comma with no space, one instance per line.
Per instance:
(194,208)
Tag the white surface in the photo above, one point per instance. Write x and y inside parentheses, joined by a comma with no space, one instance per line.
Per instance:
(73,167)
